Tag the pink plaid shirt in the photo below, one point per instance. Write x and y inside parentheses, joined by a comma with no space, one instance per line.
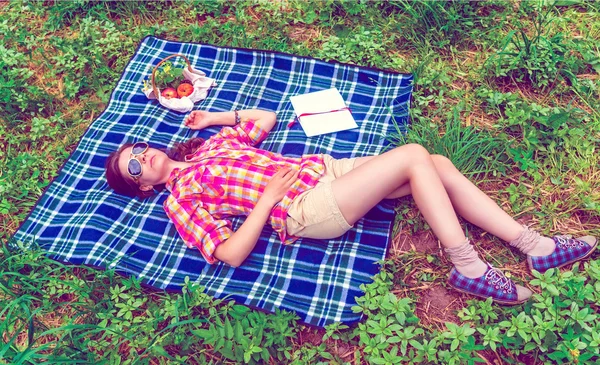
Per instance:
(228,178)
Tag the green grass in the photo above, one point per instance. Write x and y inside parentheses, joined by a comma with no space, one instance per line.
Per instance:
(508,91)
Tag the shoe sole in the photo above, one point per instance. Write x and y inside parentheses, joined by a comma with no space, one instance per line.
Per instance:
(590,252)
(499,301)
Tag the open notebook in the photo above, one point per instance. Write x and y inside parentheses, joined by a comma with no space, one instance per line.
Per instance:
(322,112)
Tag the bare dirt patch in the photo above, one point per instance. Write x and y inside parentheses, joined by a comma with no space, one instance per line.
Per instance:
(423,241)
(438,305)
(314,336)
(310,335)
(305,34)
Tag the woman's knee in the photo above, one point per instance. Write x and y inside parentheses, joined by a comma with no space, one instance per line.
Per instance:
(416,153)
(444,165)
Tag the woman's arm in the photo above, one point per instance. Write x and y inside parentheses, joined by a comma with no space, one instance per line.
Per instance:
(200,119)
(235,249)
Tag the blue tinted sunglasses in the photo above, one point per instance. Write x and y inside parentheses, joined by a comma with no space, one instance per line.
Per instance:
(134,166)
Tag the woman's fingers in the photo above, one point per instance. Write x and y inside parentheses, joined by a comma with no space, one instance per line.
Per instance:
(190,118)
(282,175)
(282,171)
(286,172)
(288,175)
(292,175)
(280,183)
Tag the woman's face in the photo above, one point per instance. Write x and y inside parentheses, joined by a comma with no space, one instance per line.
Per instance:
(154,166)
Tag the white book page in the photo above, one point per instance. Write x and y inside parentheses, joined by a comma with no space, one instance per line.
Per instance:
(326,102)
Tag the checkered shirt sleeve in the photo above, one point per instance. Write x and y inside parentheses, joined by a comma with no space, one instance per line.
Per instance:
(247,132)
(197,227)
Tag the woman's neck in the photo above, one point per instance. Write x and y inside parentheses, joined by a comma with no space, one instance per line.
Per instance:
(172,165)
(179,165)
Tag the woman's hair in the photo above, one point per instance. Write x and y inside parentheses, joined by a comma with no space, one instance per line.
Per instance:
(126,186)
(180,150)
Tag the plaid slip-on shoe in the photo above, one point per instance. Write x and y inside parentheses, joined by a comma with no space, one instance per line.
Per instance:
(492,284)
(567,251)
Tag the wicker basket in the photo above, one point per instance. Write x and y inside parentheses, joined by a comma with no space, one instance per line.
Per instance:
(198,79)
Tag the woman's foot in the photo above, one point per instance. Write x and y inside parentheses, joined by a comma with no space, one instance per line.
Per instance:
(567,250)
(493,284)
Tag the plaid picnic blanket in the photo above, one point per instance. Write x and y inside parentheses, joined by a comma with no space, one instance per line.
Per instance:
(79,220)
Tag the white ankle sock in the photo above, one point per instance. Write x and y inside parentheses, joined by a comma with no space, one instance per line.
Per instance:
(466,261)
(531,243)
(474,270)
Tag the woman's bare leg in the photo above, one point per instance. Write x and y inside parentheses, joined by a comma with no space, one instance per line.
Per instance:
(469,202)
(411,169)
(372,180)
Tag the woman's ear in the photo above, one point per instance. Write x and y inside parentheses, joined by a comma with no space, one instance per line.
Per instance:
(146,187)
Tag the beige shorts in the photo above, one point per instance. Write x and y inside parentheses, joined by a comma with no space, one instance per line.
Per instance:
(315,213)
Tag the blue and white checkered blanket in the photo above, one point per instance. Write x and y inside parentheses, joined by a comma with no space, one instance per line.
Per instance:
(80,220)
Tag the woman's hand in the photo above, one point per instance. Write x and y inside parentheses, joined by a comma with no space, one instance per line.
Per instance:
(241,243)
(279,185)
(199,119)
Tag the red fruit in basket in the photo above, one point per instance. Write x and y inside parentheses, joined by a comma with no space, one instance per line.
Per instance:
(185,90)
(169,93)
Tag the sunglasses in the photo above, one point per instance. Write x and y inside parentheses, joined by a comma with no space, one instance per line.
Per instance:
(134,166)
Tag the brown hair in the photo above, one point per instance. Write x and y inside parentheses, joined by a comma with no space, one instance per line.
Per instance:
(126,186)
